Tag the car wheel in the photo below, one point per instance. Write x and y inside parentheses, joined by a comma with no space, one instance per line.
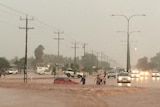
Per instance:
(79,76)
(68,75)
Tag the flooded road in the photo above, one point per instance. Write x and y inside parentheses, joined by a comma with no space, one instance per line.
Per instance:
(143,92)
(25,98)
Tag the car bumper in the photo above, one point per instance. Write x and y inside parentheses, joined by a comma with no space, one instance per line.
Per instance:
(155,75)
(135,76)
(124,81)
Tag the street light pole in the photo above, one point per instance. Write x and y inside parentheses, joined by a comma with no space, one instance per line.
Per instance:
(128,47)
(128,34)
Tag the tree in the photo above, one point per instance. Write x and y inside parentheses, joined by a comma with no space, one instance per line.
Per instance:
(142,63)
(156,60)
(47,58)
(152,65)
(4,63)
(105,65)
(14,60)
(31,62)
(39,54)
(20,64)
(88,61)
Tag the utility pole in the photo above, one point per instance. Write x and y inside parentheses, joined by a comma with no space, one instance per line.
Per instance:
(105,65)
(26,43)
(58,39)
(104,58)
(97,59)
(75,50)
(92,60)
(107,59)
(101,58)
(84,47)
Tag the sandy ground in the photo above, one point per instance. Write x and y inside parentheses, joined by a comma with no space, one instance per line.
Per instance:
(41,93)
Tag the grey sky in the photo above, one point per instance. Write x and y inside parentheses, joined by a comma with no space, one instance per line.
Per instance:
(88,21)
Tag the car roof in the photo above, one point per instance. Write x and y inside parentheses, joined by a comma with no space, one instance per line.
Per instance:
(155,71)
(111,72)
(124,73)
(121,73)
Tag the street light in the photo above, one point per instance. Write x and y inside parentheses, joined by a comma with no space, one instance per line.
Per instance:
(128,34)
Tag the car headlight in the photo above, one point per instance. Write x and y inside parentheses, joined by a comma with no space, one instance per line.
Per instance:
(119,78)
(129,78)
(146,73)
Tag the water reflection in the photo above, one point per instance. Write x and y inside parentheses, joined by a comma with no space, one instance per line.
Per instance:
(155,78)
(137,79)
(144,78)
(124,84)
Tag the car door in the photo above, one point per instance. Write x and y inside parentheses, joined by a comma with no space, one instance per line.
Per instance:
(67,81)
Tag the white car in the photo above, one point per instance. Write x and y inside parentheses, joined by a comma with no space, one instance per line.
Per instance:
(43,70)
(12,71)
(134,74)
(144,73)
(70,73)
(155,73)
(123,77)
(111,74)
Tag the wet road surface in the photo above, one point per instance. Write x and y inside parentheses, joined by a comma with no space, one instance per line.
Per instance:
(11,97)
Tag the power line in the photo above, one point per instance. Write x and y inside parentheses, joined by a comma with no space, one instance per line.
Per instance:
(44,24)
(13,14)
(25,63)
(12,9)
(23,13)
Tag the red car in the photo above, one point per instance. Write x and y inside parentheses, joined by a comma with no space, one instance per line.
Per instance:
(64,80)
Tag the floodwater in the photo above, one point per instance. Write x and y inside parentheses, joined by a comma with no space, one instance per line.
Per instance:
(43,93)
(24,98)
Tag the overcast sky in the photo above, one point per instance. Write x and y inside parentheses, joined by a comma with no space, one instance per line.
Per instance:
(83,21)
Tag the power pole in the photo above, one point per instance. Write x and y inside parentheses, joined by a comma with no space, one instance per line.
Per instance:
(58,39)
(84,47)
(75,50)
(104,59)
(97,59)
(26,43)
(92,60)
(101,58)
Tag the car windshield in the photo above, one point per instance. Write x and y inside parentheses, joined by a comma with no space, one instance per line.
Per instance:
(111,72)
(123,74)
(12,69)
(134,73)
(63,79)
(67,79)
(155,71)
